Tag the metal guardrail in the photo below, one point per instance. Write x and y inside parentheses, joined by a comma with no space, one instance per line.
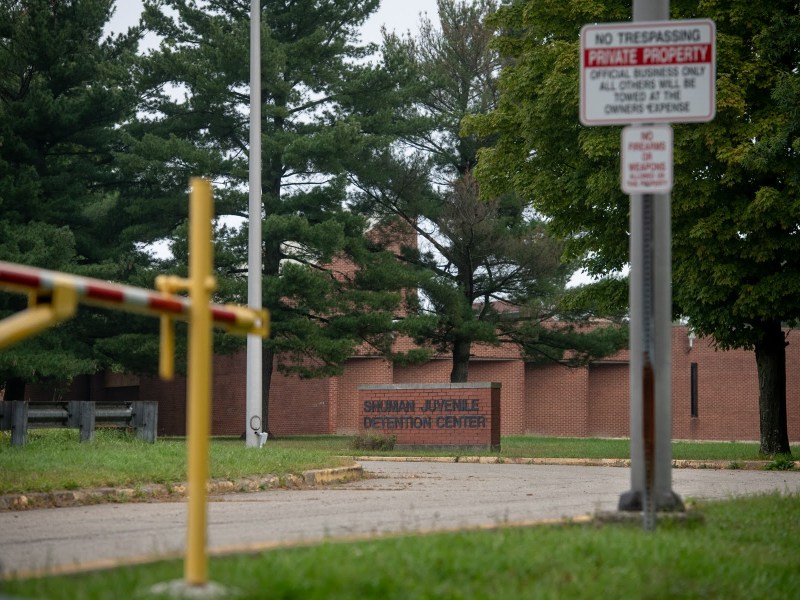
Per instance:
(84,415)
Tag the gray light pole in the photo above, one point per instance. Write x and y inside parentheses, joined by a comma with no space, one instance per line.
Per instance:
(651,340)
(254,383)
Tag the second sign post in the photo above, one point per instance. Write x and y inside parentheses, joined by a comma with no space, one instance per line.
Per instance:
(647,72)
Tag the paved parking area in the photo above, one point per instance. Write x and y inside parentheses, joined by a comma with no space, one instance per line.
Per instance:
(401,496)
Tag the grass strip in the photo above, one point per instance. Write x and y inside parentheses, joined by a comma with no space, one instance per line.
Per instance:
(55,460)
(745,548)
(527,446)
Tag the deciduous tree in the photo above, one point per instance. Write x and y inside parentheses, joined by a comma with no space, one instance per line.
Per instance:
(735,201)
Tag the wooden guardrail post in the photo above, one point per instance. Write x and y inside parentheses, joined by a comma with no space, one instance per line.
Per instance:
(5,416)
(86,421)
(74,414)
(83,415)
(145,420)
(19,422)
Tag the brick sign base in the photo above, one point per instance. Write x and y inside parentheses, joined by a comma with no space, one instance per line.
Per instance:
(433,415)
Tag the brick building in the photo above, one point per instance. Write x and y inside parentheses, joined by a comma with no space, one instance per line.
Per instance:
(715,393)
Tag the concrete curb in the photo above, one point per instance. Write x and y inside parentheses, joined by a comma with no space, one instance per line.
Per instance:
(177,491)
(746,465)
(334,475)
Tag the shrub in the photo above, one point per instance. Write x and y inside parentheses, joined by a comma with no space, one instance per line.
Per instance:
(373,440)
(782,462)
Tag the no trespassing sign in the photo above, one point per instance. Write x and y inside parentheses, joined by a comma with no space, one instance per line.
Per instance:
(657,72)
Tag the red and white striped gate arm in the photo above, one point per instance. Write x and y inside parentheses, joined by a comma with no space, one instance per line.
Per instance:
(236,319)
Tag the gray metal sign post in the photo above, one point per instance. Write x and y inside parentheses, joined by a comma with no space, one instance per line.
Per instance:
(651,70)
(650,358)
(651,340)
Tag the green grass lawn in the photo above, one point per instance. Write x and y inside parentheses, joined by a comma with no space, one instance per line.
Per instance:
(744,548)
(54,459)
(527,446)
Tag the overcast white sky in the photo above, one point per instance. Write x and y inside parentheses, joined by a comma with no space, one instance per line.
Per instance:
(397,15)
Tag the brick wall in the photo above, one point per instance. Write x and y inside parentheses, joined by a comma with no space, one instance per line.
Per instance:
(433,371)
(727,391)
(511,377)
(556,397)
(359,371)
(608,400)
(229,394)
(82,387)
(793,384)
(543,399)
(299,406)
(510,374)
(171,397)
(462,415)
(228,389)
(727,394)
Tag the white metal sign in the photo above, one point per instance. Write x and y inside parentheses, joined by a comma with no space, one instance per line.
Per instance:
(656,72)
(646,159)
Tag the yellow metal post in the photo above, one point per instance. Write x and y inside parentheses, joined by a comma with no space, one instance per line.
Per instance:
(201,284)
(53,298)
(166,349)
(166,346)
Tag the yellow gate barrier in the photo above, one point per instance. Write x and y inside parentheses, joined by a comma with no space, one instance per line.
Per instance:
(53,297)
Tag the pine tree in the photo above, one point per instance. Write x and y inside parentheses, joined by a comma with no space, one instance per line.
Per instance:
(64,92)
(488,270)
(325,114)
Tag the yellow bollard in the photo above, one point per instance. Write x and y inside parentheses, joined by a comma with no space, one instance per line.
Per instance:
(60,294)
(53,297)
(201,283)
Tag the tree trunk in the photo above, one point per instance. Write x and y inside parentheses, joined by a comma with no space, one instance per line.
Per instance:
(771,363)
(267,356)
(460,372)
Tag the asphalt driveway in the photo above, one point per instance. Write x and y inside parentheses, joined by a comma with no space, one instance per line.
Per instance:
(401,496)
